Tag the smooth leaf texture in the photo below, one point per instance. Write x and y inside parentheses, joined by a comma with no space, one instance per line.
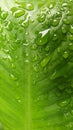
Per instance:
(36,65)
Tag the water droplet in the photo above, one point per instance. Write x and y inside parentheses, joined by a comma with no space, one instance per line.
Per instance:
(36,68)
(71,46)
(71,29)
(26,60)
(34,46)
(34,57)
(66,21)
(41,17)
(64,103)
(14,9)
(25,23)
(19,13)
(51,6)
(9,26)
(43,37)
(45,61)
(71,37)
(55,37)
(65,54)
(55,22)
(64,29)
(47,48)
(4,15)
(64,5)
(13,77)
(13,66)
(1,29)
(29,7)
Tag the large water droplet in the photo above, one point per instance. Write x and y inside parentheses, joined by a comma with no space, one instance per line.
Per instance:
(41,17)
(19,13)
(43,37)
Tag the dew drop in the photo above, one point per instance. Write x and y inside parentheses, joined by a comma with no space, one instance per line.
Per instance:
(71,37)
(64,29)
(19,13)
(55,22)
(66,21)
(41,17)
(29,7)
(4,15)
(14,9)
(71,29)
(9,26)
(65,54)
(64,5)
(45,61)
(26,61)
(13,77)
(36,68)
(47,48)
(1,29)
(42,37)
(34,46)
(55,37)
(25,23)
(13,66)
(64,103)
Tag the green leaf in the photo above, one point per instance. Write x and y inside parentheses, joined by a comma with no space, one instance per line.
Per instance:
(36,65)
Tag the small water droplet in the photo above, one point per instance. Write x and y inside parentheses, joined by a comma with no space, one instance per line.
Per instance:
(13,66)
(25,23)
(51,6)
(19,13)
(4,15)
(9,26)
(26,60)
(55,37)
(64,29)
(36,68)
(64,103)
(55,22)
(45,61)
(14,9)
(71,37)
(66,21)
(29,7)
(34,57)
(71,29)
(41,17)
(47,48)
(13,77)
(1,29)
(65,54)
